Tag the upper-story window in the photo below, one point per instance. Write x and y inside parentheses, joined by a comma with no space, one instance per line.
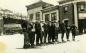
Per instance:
(31,16)
(65,9)
(38,16)
(82,8)
(47,17)
(53,16)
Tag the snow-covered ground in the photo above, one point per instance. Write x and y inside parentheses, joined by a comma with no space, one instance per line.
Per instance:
(12,43)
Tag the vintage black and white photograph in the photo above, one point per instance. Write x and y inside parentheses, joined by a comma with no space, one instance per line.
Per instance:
(42,26)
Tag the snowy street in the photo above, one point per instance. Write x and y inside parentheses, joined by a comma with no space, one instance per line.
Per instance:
(12,43)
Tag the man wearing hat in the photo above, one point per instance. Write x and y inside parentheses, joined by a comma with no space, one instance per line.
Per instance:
(38,33)
(67,27)
(45,26)
(53,31)
(26,27)
(49,32)
(62,29)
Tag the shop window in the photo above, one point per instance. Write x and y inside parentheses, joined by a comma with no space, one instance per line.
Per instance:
(47,17)
(53,16)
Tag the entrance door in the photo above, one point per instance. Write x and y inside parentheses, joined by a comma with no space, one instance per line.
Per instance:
(82,25)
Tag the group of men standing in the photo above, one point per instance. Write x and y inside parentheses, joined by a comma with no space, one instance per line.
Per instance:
(37,33)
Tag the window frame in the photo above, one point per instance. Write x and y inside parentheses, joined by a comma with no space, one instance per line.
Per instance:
(82,7)
(53,16)
(31,16)
(47,16)
(37,15)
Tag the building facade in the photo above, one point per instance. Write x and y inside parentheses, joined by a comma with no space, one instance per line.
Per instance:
(72,10)
(75,12)
(42,11)
(51,14)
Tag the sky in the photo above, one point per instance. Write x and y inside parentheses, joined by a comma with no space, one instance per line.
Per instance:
(18,6)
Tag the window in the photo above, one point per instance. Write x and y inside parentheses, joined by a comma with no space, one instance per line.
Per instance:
(53,16)
(47,17)
(31,16)
(65,9)
(38,16)
(82,7)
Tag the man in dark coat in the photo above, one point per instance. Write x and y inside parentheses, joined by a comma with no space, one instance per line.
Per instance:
(49,32)
(26,37)
(73,29)
(42,30)
(38,33)
(67,30)
(62,30)
(45,31)
(53,31)
(57,30)
(31,33)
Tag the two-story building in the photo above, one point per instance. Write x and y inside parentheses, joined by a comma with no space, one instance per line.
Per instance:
(72,10)
(75,12)
(42,11)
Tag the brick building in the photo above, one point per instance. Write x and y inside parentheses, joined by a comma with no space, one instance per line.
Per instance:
(72,10)
(75,12)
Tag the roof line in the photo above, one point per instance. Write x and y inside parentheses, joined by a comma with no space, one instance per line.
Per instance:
(37,2)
